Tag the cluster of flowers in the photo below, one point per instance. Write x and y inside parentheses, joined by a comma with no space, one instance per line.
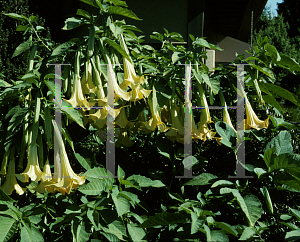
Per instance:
(84,91)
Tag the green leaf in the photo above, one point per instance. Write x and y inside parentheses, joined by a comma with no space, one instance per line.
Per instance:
(176,56)
(247,233)
(82,161)
(203,179)
(281,92)
(117,2)
(22,48)
(222,183)
(201,43)
(117,228)
(272,101)
(121,203)
(122,11)
(74,22)
(94,187)
(296,213)
(62,48)
(5,199)
(136,234)
(267,198)
(115,29)
(17,118)
(29,233)
(227,133)
(288,182)
(72,113)
(68,138)
(121,173)
(8,228)
(217,235)
(293,235)
(163,94)
(282,143)
(4,83)
(22,27)
(250,205)
(130,196)
(93,216)
(84,13)
(226,227)
(164,218)
(145,182)
(50,84)
(188,164)
(264,70)
(16,16)
(163,146)
(196,222)
(214,84)
(78,229)
(90,2)
(116,46)
(176,196)
(289,62)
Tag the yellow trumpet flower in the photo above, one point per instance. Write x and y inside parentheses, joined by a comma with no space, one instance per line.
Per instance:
(111,79)
(68,179)
(252,120)
(11,183)
(77,98)
(177,130)
(155,121)
(32,169)
(122,120)
(87,85)
(204,118)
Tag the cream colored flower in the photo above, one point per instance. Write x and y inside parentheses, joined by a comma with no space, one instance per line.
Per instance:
(155,121)
(68,178)
(11,183)
(177,129)
(32,169)
(205,119)
(252,120)
(122,120)
(77,98)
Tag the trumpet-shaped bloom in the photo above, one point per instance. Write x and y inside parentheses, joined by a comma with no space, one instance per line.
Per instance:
(252,120)
(87,85)
(68,178)
(154,122)
(177,130)
(77,98)
(204,120)
(122,120)
(226,117)
(11,183)
(32,169)
(111,79)
(131,79)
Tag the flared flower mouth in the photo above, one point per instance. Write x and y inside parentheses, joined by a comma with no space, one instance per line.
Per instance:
(32,169)
(252,120)
(77,98)
(154,122)
(11,183)
(67,180)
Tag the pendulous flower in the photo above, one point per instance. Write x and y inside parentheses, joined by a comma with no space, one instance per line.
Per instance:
(11,183)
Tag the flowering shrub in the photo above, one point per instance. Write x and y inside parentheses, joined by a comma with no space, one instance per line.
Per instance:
(149,110)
